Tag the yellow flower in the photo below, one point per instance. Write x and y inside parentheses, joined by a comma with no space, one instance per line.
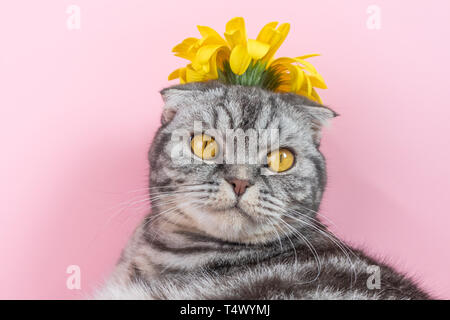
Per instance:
(235,59)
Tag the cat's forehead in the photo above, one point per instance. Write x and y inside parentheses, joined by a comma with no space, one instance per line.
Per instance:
(245,108)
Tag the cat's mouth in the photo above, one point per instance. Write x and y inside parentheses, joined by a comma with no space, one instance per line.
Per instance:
(236,209)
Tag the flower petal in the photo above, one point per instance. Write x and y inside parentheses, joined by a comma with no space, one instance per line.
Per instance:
(185,45)
(235,32)
(315,96)
(206,52)
(216,61)
(239,59)
(298,77)
(308,56)
(183,76)
(257,49)
(282,61)
(175,74)
(204,55)
(314,77)
(307,65)
(308,84)
(208,32)
(266,32)
(317,81)
(273,37)
(179,73)
(193,75)
(187,48)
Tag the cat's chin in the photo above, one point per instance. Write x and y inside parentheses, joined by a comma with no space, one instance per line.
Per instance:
(232,224)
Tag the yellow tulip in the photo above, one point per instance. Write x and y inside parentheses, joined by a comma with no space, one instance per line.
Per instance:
(235,59)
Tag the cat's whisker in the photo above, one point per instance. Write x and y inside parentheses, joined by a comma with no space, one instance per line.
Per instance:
(170,211)
(173,207)
(148,199)
(276,232)
(317,213)
(175,185)
(309,245)
(181,190)
(332,239)
(138,199)
(338,244)
(316,228)
(314,221)
(123,207)
(292,244)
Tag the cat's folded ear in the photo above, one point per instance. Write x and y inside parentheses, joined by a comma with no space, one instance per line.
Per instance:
(173,99)
(319,117)
(176,96)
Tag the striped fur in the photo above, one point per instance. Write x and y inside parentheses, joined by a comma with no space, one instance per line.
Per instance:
(201,242)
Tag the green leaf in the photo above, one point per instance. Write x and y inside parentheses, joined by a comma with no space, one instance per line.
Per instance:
(256,75)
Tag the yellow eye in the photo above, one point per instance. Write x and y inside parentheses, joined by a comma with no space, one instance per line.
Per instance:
(204,146)
(280,160)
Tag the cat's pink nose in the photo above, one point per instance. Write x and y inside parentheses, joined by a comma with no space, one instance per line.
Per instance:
(239,186)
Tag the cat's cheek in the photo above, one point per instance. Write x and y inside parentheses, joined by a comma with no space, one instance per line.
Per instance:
(224,198)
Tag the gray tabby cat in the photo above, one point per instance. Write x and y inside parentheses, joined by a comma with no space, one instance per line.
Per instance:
(226,231)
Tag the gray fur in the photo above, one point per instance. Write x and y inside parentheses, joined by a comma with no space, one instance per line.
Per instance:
(201,242)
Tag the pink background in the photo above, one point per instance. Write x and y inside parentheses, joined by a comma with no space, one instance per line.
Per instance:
(79,109)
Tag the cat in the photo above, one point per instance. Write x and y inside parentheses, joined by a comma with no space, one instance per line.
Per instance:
(220,230)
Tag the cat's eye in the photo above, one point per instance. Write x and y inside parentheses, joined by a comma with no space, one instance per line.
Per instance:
(204,146)
(280,160)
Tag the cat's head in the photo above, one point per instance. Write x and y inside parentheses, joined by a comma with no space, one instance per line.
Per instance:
(245,189)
